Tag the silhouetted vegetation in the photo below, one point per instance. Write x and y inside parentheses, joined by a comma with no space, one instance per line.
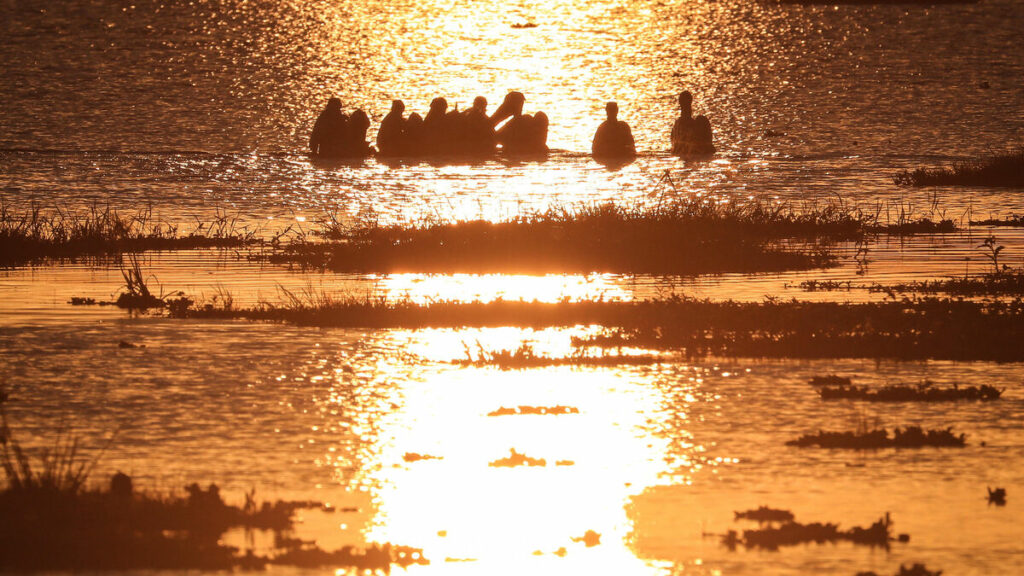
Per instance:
(923,392)
(34,236)
(996,170)
(909,437)
(997,496)
(683,237)
(914,570)
(525,357)
(792,533)
(1016,220)
(53,522)
(906,329)
(515,458)
(830,380)
(536,410)
(764,515)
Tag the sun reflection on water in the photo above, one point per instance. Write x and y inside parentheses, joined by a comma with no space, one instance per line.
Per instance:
(427,450)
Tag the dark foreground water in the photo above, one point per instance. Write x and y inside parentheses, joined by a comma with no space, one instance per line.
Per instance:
(194,108)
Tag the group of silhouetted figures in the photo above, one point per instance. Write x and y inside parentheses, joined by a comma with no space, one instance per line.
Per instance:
(472,132)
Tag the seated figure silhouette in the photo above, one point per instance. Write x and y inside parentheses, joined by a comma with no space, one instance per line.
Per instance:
(355,141)
(614,139)
(523,133)
(479,138)
(691,136)
(436,135)
(413,143)
(392,130)
(330,131)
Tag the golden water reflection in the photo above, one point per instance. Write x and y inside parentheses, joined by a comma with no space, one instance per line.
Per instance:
(428,452)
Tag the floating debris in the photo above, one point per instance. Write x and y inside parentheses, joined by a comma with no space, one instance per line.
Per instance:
(910,437)
(541,410)
(792,533)
(997,496)
(923,392)
(830,380)
(522,25)
(516,459)
(765,514)
(414,457)
(589,538)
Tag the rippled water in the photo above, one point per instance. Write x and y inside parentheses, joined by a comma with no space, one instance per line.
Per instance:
(199,107)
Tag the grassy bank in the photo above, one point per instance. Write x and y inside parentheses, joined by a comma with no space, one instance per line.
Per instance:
(906,329)
(36,235)
(684,236)
(1006,169)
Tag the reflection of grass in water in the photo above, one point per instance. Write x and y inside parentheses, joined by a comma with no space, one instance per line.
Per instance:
(907,329)
(36,235)
(52,521)
(1006,169)
(683,236)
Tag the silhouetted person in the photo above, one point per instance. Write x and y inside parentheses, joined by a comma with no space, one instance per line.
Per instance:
(691,136)
(355,142)
(413,143)
(329,131)
(392,127)
(479,133)
(613,139)
(522,133)
(434,127)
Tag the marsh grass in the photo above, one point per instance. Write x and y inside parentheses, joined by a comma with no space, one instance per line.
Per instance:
(909,437)
(923,392)
(525,357)
(1000,169)
(1017,220)
(37,235)
(792,533)
(684,237)
(910,328)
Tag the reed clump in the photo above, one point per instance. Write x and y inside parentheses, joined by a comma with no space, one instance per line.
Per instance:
(909,437)
(923,392)
(764,515)
(535,410)
(912,570)
(792,533)
(525,357)
(1004,169)
(36,235)
(692,236)
(830,380)
(911,328)
(1014,221)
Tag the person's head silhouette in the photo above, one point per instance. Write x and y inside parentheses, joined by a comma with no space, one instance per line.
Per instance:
(686,103)
(334,104)
(612,110)
(397,106)
(480,104)
(438,105)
